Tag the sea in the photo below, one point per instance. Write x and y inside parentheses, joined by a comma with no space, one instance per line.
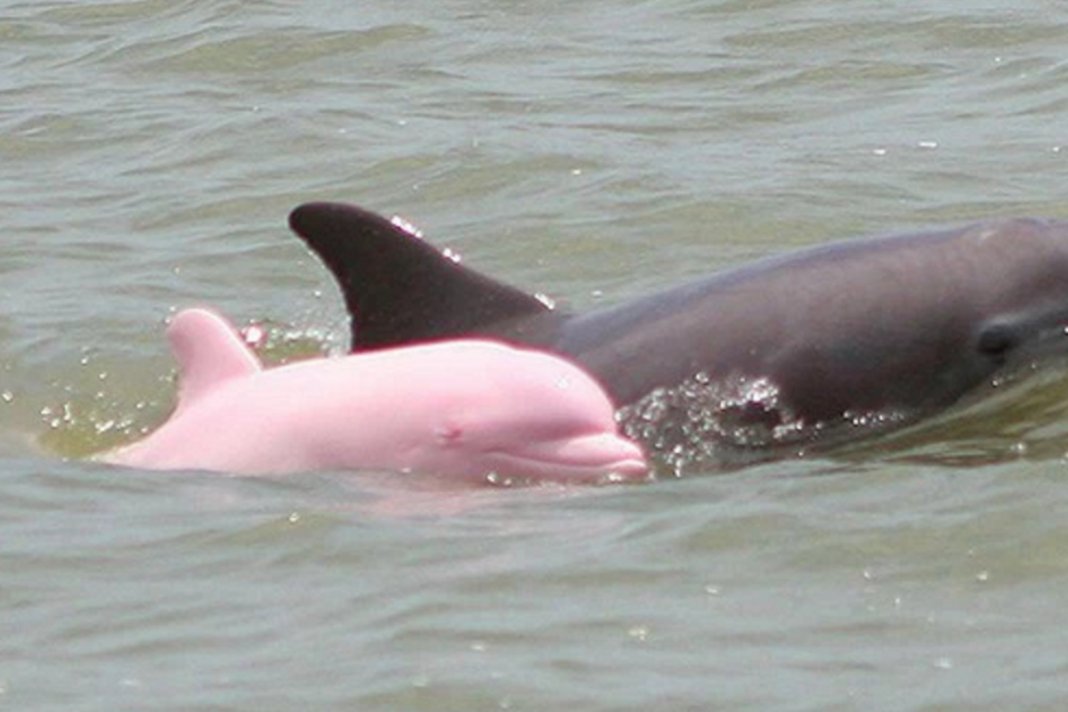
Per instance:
(150,152)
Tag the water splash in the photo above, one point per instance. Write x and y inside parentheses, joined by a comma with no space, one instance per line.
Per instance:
(708,423)
(406,226)
(700,420)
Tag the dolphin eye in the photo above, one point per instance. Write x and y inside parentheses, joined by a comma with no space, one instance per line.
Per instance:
(450,433)
(996,340)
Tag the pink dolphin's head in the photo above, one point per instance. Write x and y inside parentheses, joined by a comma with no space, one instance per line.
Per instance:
(465,408)
(537,417)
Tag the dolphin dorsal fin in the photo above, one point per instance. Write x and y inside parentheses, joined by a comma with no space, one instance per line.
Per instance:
(209,351)
(398,288)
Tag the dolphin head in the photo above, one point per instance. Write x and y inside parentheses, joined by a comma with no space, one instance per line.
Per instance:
(1023,319)
(557,424)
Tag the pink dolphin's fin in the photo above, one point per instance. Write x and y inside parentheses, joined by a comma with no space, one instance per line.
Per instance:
(209,351)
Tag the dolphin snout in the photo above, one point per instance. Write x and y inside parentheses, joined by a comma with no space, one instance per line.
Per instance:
(595,457)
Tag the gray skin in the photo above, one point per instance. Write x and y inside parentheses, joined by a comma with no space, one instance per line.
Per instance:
(899,326)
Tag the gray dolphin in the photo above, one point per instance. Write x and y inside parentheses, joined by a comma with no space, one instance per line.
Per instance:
(811,347)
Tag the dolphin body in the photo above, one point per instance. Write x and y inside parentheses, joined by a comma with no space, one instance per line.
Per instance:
(466,408)
(812,347)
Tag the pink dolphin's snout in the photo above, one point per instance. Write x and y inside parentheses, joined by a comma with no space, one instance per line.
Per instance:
(590,458)
(607,450)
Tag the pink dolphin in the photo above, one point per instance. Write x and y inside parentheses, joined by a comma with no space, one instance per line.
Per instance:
(466,408)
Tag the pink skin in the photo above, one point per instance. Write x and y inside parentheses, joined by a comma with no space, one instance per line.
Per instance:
(467,409)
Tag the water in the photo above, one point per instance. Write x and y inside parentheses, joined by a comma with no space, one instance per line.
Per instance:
(149,153)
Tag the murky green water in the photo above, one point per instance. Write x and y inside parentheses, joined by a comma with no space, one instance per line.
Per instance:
(149,153)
